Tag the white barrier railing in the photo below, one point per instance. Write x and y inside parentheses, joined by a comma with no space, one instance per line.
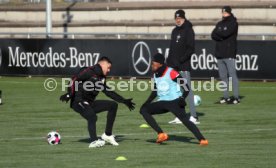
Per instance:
(122,35)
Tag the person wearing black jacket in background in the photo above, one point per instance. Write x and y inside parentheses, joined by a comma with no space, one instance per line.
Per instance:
(182,47)
(225,35)
(83,92)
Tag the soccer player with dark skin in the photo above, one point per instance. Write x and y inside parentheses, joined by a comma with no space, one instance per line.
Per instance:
(169,98)
(83,100)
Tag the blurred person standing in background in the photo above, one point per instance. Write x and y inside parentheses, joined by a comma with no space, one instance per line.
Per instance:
(182,47)
(225,35)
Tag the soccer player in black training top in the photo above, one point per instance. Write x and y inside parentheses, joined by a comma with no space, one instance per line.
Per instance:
(83,100)
(169,98)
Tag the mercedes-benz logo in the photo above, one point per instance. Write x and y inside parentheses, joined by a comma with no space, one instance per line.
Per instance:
(141,57)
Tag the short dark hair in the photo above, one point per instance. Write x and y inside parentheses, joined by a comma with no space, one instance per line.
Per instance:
(105,59)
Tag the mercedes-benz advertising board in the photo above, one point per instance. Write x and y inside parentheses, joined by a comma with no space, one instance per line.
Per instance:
(255,59)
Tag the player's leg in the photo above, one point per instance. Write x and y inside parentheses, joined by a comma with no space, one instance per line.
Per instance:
(231,66)
(151,109)
(85,110)
(223,74)
(111,108)
(181,114)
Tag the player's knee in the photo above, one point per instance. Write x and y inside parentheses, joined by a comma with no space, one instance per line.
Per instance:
(114,105)
(93,118)
(143,110)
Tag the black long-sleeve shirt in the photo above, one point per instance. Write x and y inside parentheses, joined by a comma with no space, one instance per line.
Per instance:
(92,76)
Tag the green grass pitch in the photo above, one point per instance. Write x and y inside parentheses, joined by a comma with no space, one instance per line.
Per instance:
(241,135)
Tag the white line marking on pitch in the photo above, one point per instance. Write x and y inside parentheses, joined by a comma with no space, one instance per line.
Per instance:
(184,132)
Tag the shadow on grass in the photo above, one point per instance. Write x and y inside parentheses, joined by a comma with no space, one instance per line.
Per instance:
(175,138)
(199,114)
(119,138)
(182,139)
(240,97)
(84,140)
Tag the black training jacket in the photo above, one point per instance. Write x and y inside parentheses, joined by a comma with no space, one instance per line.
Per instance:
(182,47)
(95,76)
(225,35)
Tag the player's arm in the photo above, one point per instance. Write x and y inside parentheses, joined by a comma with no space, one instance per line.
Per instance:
(152,96)
(118,98)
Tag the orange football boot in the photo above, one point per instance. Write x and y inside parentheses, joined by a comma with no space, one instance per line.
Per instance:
(162,137)
(203,142)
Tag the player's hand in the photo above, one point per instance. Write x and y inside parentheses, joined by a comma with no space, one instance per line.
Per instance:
(66,97)
(181,102)
(129,104)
